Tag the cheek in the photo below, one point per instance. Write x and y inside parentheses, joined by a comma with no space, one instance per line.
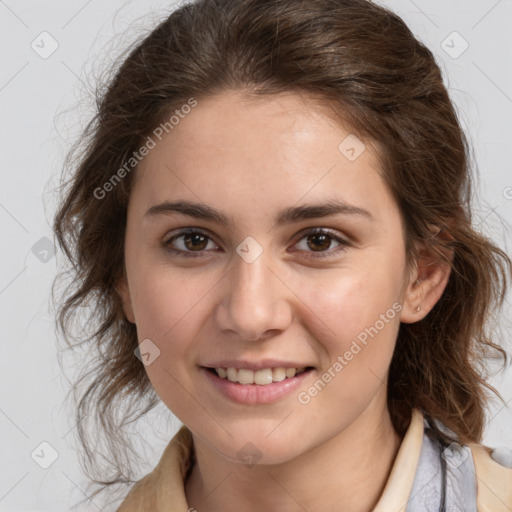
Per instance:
(167,300)
(169,310)
(166,305)
(355,319)
(357,301)
(356,322)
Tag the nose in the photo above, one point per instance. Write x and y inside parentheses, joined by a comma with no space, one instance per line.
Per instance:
(255,301)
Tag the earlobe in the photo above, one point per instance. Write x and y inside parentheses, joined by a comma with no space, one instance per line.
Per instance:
(124,293)
(427,282)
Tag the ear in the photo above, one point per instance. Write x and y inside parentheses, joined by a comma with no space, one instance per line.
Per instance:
(124,293)
(428,279)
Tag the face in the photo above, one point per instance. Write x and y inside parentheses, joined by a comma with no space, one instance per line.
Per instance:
(256,278)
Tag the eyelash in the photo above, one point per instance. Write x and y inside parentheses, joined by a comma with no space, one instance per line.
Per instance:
(344,244)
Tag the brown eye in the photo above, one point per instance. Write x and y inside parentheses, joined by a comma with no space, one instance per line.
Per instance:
(318,242)
(195,241)
(188,243)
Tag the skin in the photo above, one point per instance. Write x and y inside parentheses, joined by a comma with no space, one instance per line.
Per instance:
(250,160)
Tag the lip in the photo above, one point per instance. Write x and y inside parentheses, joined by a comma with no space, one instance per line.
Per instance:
(253,394)
(255,366)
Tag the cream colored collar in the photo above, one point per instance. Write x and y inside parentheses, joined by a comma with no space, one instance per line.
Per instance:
(163,489)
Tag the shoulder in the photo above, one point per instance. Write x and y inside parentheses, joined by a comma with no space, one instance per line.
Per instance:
(165,484)
(141,496)
(493,470)
(469,478)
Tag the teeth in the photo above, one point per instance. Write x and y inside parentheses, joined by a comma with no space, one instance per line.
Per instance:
(232,374)
(245,376)
(221,372)
(278,374)
(290,372)
(260,377)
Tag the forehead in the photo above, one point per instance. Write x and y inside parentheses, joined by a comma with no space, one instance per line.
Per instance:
(248,155)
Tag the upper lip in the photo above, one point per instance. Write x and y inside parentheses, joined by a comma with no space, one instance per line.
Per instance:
(256,365)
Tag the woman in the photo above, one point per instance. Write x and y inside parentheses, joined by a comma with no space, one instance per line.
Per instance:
(272,217)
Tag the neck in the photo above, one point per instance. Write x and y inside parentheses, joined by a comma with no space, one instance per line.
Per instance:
(348,473)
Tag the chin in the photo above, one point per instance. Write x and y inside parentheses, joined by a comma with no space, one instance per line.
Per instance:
(258,454)
(256,447)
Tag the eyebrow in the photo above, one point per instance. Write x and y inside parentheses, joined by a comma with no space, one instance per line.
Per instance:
(286,216)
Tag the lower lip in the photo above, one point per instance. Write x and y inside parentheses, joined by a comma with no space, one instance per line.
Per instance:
(253,394)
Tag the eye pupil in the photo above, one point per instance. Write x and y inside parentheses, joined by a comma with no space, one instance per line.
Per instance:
(195,237)
(324,238)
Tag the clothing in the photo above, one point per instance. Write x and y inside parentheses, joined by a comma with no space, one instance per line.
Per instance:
(427,476)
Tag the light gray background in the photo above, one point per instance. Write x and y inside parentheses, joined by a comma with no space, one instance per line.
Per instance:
(44,103)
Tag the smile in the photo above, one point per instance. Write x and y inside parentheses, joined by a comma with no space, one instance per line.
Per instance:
(257,387)
(261,377)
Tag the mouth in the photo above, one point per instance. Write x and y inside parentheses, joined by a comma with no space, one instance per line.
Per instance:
(257,386)
(262,377)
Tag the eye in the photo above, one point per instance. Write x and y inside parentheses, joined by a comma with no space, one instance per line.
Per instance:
(194,242)
(321,239)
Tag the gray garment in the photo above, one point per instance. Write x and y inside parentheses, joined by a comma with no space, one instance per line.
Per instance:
(445,479)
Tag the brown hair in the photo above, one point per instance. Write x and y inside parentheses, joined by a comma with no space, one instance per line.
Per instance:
(385,84)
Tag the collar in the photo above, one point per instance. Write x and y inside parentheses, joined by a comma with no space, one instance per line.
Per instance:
(163,490)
